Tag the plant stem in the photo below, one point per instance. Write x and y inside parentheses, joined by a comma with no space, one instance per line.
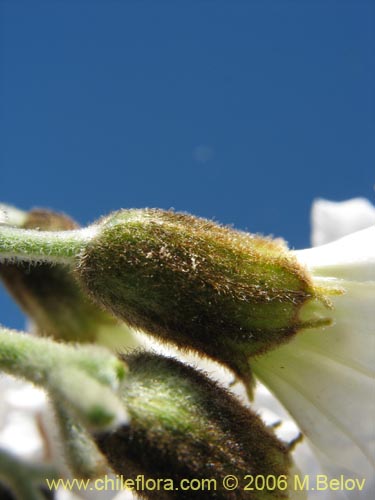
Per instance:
(82,455)
(84,379)
(43,246)
(28,357)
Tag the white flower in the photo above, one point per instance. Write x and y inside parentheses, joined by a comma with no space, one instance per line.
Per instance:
(331,220)
(325,377)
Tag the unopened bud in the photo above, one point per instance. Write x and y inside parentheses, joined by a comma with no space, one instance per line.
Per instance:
(225,293)
(184,427)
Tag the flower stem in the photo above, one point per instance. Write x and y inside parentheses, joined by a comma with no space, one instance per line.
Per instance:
(85,380)
(42,246)
(25,356)
(82,455)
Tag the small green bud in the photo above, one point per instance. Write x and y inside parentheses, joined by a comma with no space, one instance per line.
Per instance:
(185,426)
(50,294)
(209,288)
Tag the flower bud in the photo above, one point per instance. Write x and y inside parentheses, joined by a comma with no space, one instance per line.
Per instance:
(184,426)
(50,294)
(225,293)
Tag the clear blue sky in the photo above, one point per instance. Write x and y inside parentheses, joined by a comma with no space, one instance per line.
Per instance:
(242,111)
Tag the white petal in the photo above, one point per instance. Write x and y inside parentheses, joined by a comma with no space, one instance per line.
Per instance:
(332,220)
(350,258)
(325,378)
(12,216)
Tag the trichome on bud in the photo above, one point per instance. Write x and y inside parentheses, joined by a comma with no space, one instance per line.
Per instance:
(183,426)
(205,287)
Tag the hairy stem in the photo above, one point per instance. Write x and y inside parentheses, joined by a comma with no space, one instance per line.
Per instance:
(82,455)
(85,380)
(42,246)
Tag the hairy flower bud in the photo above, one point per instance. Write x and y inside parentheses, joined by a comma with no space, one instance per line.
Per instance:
(225,293)
(183,426)
(50,294)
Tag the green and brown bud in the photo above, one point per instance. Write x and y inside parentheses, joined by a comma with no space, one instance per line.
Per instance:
(183,426)
(51,295)
(205,287)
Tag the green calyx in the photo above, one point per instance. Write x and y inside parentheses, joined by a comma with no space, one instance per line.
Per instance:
(205,287)
(184,426)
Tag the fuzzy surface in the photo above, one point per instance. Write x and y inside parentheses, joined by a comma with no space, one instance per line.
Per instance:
(184,426)
(50,294)
(205,287)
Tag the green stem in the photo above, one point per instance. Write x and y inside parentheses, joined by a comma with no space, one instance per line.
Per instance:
(82,455)
(84,379)
(26,356)
(43,246)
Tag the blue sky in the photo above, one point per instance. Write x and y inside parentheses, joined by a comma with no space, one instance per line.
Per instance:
(242,111)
